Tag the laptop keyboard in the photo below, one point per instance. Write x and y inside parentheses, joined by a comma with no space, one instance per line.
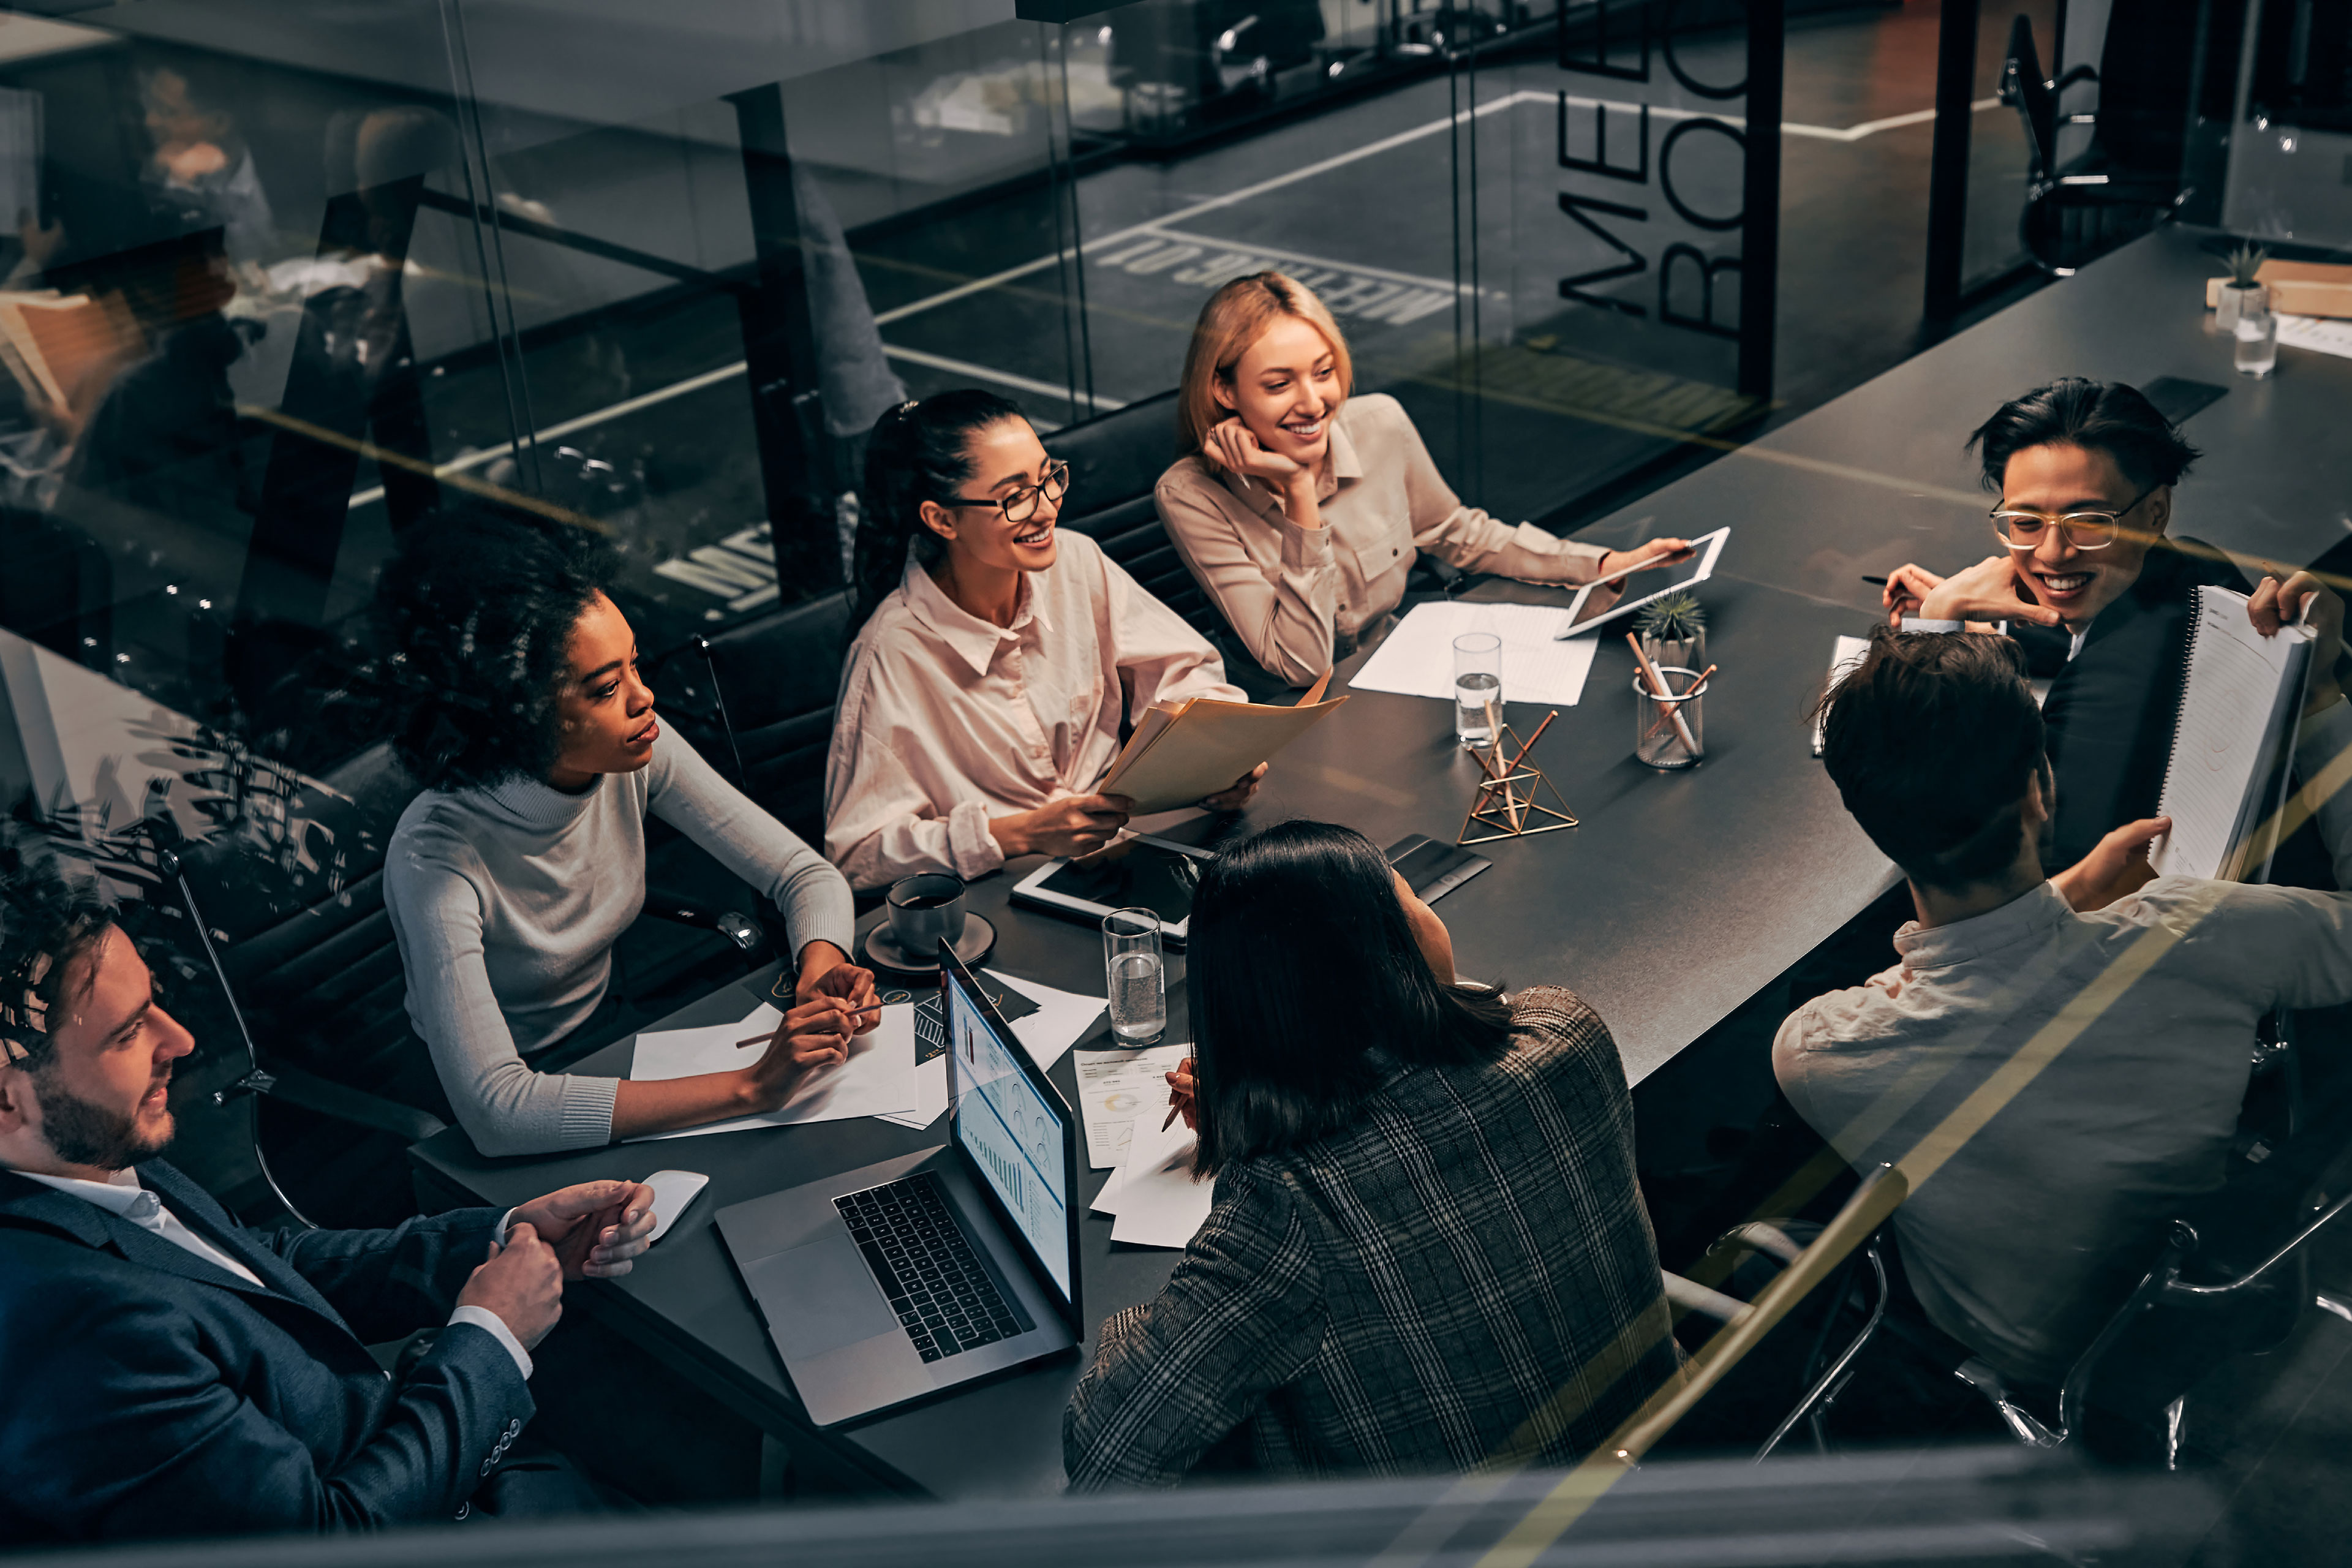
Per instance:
(944,1295)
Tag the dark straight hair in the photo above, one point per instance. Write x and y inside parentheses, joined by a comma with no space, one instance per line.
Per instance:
(1307,986)
(2096,415)
(917,453)
(1931,742)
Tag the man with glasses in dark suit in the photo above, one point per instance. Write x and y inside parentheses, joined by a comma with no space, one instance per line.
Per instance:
(170,1373)
(2091,583)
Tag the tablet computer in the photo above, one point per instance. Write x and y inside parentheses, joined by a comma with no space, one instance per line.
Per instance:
(1592,607)
(1137,872)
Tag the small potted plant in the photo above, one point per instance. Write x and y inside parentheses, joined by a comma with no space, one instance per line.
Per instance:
(2241,290)
(1673,628)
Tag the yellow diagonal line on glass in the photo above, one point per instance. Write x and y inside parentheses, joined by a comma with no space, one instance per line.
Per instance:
(384,458)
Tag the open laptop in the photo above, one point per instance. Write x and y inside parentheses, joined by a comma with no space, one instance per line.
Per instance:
(897,1280)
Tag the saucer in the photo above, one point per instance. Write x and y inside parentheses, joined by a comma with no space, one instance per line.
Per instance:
(882,948)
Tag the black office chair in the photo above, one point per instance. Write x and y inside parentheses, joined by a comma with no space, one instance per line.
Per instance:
(2128,179)
(757,701)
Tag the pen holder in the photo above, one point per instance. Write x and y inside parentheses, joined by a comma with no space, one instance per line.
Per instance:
(1669,733)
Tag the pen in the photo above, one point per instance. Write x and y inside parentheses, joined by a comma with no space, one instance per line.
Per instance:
(1874,582)
(763,1039)
(1667,707)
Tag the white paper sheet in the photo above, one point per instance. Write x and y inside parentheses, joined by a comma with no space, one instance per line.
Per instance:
(1062,1019)
(2321,333)
(1159,1203)
(1417,660)
(1107,1200)
(1116,1088)
(879,1078)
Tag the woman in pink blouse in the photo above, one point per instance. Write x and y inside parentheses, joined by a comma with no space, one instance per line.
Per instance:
(996,662)
(1301,508)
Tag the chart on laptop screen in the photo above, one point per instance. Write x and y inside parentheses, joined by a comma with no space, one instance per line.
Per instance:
(1013,1135)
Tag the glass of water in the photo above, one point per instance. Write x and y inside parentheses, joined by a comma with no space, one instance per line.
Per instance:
(2257,334)
(1135,976)
(1477,689)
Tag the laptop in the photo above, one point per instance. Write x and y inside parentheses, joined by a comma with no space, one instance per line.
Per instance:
(903,1279)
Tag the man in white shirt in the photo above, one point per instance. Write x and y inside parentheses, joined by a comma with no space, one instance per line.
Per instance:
(2058,1065)
(170,1373)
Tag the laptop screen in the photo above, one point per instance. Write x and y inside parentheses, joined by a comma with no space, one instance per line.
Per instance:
(1016,1138)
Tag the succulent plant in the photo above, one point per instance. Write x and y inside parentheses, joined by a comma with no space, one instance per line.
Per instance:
(2244,262)
(1674,617)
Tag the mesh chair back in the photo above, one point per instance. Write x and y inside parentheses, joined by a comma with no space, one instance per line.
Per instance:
(1115,460)
(778,678)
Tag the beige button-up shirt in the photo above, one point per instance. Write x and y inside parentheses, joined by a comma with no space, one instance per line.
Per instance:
(1295,594)
(947,720)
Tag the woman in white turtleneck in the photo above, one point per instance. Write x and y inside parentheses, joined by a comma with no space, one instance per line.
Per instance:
(510,878)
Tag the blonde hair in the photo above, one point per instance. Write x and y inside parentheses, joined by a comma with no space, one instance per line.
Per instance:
(1236,316)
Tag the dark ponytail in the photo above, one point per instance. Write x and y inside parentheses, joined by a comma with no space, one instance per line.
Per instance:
(916,454)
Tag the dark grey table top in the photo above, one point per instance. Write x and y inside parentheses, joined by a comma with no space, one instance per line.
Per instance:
(1878,477)
(1678,898)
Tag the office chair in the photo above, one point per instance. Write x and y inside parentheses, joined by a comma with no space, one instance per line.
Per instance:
(1846,1246)
(2128,179)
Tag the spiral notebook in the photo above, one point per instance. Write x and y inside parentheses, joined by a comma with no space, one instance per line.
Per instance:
(2232,745)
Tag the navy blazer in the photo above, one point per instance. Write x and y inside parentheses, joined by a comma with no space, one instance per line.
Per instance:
(149,1392)
(2112,710)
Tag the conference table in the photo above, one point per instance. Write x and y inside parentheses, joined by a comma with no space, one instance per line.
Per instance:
(1677,898)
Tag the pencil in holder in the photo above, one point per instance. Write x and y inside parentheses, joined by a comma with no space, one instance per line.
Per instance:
(1670,731)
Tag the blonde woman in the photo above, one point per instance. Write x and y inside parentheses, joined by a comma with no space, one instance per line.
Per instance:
(1301,508)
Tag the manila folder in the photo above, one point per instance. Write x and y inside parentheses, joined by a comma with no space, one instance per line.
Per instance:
(1201,747)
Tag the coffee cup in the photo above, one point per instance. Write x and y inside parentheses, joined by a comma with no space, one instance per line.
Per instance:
(926,909)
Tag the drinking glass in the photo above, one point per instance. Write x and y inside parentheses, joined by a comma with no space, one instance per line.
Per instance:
(2257,334)
(1657,739)
(1135,976)
(1477,689)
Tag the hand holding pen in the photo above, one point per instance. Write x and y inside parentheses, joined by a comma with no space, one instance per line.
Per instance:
(813,1036)
(1182,1100)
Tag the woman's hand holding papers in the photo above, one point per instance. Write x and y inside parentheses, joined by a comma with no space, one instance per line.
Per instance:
(1238,795)
(1074,825)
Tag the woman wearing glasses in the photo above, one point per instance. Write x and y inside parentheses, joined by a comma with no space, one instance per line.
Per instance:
(995,660)
(2091,584)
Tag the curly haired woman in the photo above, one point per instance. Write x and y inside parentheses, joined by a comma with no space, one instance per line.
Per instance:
(511,875)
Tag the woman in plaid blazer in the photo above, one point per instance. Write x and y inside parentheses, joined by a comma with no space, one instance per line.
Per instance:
(1427,1251)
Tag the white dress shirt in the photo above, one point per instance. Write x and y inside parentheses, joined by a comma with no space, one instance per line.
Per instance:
(122,1195)
(947,720)
(2020,1241)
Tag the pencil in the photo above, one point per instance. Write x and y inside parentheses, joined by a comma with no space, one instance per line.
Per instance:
(1666,705)
(1529,744)
(1693,688)
(763,1039)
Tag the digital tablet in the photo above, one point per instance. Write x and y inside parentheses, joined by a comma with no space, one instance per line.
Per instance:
(1137,872)
(1592,607)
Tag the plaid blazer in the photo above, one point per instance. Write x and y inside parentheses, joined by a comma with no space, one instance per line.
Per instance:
(1466,1275)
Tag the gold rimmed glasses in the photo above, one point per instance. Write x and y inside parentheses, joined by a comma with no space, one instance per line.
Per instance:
(2088,530)
(1021,505)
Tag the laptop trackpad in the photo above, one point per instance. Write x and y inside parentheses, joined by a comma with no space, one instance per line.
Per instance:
(822,1295)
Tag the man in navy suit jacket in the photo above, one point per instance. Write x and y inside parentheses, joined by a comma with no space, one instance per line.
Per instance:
(170,1373)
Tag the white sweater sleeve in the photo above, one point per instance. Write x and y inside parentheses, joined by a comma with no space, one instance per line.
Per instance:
(504,1106)
(688,794)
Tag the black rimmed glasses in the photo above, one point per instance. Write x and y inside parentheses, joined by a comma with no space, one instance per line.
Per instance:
(2022,530)
(1021,504)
